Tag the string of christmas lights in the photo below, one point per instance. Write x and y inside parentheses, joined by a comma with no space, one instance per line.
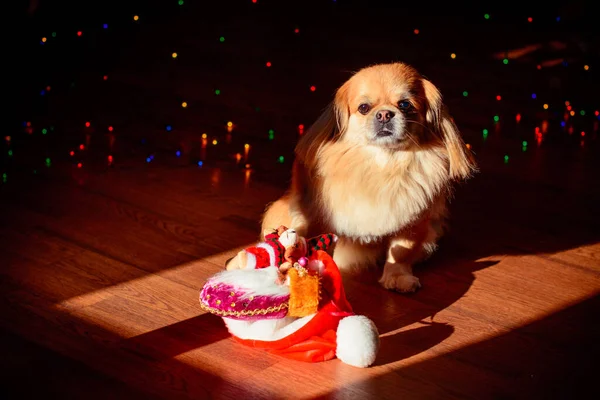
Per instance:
(573,120)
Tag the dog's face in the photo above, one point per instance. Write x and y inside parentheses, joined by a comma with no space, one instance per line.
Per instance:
(393,108)
(386,107)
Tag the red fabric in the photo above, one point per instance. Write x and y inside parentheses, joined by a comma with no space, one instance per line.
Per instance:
(315,341)
(272,236)
(333,287)
(314,349)
(263,259)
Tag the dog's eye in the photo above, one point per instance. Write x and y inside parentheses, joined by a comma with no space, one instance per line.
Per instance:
(404,105)
(364,109)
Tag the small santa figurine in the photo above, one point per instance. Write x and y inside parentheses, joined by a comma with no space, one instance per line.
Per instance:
(282,247)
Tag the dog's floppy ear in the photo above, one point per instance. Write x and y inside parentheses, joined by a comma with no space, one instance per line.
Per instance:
(462,164)
(330,125)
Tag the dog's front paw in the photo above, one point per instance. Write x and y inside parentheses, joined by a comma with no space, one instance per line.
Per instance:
(399,281)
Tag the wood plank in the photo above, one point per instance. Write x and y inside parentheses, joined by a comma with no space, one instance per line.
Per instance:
(37,320)
(53,375)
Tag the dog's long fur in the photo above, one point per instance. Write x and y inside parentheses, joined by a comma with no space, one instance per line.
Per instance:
(385,197)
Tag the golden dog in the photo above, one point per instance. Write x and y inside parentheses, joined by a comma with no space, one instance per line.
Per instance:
(377,169)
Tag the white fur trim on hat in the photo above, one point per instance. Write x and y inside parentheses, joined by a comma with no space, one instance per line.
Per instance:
(254,282)
(271,252)
(250,261)
(357,341)
(268,330)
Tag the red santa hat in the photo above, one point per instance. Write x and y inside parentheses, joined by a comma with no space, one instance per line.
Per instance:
(333,331)
(265,254)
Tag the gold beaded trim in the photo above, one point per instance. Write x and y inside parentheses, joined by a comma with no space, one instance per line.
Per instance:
(244,313)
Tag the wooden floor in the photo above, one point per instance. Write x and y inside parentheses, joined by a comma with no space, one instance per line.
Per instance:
(101,267)
(100,284)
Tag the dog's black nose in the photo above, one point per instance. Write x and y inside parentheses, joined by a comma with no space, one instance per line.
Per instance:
(384,116)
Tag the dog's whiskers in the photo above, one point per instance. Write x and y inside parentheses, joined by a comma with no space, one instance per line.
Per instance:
(421,124)
(411,138)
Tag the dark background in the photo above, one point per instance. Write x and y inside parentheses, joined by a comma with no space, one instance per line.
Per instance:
(145,86)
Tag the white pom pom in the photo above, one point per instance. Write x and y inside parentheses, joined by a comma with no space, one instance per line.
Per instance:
(357,341)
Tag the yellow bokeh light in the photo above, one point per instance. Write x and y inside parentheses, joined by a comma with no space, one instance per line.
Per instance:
(230,124)
(135,17)
(246,146)
(453,55)
(204,136)
(214,141)
(184,104)
(174,55)
(545,106)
